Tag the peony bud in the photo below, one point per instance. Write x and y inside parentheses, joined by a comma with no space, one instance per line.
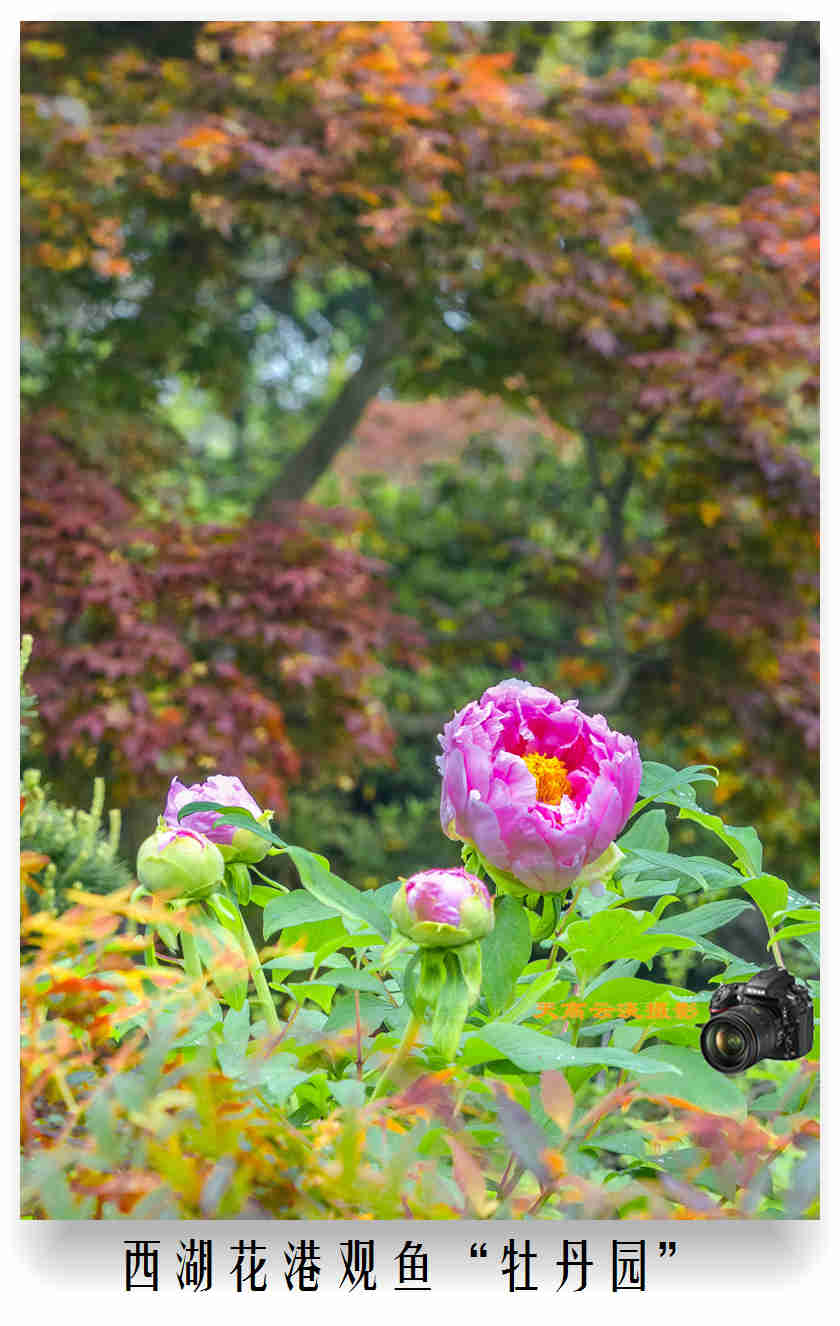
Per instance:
(443,908)
(235,844)
(180,861)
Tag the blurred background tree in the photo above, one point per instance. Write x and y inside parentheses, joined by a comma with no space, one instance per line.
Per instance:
(573,265)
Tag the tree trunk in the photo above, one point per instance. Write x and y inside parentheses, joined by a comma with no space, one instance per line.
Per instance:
(303,469)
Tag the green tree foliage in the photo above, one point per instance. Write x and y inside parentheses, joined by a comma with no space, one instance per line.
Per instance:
(506,576)
(628,243)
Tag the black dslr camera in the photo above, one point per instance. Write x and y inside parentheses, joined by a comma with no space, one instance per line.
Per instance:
(769,1016)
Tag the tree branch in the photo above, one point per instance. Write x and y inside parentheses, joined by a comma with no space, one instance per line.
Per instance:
(336,428)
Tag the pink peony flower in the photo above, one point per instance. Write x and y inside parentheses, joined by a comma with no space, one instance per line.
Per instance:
(540,789)
(443,908)
(235,844)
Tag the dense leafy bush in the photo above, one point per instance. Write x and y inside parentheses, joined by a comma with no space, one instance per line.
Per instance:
(577,1088)
(160,644)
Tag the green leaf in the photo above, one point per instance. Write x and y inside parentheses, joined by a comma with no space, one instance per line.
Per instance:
(681,865)
(222,957)
(238,876)
(652,886)
(169,935)
(317,878)
(235,816)
(615,934)
(262,895)
(801,900)
(626,1143)
(632,990)
(703,920)
(278,1079)
(798,914)
(236,1029)
(662,783)
(395,946)
(504,952)
(349,1092)
(320,992)
(373,1011)
(769,893)
(291,962)
(534,1053)
(273,887)
(293,909)
(699,1085)
(351,979)
(534,993)
(794,932)
(648,831)
(227,914)
(812,945)
(744,844)
(615,971)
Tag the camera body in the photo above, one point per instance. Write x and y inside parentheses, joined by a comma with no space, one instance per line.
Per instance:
(769,1016)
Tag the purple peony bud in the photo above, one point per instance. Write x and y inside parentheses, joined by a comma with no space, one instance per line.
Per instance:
(180,861)
(539,788)
(234,844)
(442,908)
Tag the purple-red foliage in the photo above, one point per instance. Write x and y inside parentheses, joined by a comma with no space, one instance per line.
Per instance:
(169,648)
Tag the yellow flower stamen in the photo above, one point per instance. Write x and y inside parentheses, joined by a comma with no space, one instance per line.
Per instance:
(550,773)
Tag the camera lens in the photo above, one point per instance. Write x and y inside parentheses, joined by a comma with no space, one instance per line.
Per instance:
(729,1042)
(734,1041)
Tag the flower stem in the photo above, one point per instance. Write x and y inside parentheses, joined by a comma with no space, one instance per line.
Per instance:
(252,957)
(192,962)
(563,923)
(401,1053)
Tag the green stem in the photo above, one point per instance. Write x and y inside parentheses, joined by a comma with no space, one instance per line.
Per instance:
(401,1053)
(775,950)
(192,962)
(563,923)
(252,957)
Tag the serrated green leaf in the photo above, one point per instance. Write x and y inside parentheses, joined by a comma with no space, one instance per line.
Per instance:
(615,934)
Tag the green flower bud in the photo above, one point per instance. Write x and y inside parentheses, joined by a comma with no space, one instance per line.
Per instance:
(180,861)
